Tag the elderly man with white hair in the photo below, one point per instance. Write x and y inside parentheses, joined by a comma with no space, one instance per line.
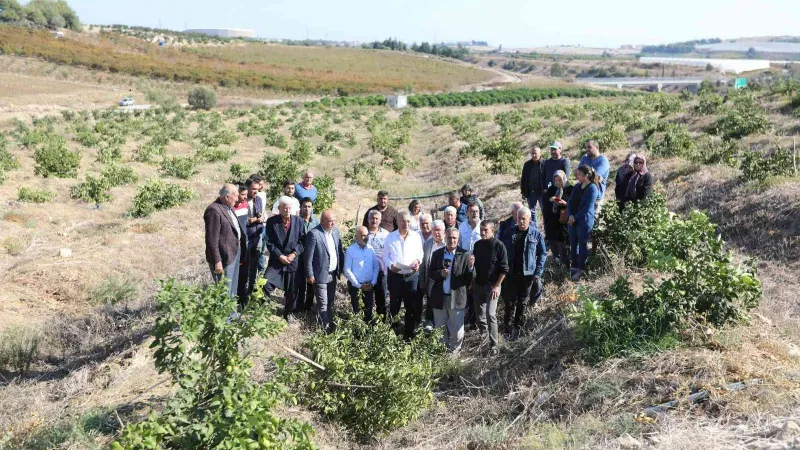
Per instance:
(425,223)
(526,257)
(509,223)
(376,237)
(402,257)
(286,235)
(450,217)
(435,242)
(224,238)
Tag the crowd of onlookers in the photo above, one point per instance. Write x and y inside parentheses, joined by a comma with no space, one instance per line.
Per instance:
(447,272)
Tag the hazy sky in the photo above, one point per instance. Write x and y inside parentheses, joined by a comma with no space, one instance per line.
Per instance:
(511,23)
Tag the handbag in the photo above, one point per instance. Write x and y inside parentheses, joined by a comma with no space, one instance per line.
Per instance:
(562,217)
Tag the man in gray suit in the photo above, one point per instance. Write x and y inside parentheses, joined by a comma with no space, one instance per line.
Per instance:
(433,243)
(323,262)
(451,274)
(224,238)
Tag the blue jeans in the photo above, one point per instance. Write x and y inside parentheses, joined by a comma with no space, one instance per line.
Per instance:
(579,235)
(533,200)
(231,274)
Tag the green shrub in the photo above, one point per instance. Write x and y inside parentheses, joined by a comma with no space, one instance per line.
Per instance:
(302,150)
(274,139)
(72,432)
(205,351)
(350,139)
(333,136)
(182,167)
(275,169)
(549,135)
(673,140)
(502,155)
(326,193)
(54,159)
(114,290)
(147,152)
(745,118)
(759,166)
(239,173)
(31,195)
(608,137)
(212,154)
(202,97)
(7,160)
(363,173)
(401,376)
(19,348)
(117,175)
(328,149)
(156,195)
(93,190)
(713,150)
(709,103)
(108,154)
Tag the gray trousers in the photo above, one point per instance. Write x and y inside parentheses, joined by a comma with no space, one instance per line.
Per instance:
(325,294)
(485,311)
(451,321)
(231,274)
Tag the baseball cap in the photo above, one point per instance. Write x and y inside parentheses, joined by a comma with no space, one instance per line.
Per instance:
(555,144)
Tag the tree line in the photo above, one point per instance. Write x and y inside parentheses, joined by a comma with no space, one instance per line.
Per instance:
(44,13)
(446,51)
(679,47)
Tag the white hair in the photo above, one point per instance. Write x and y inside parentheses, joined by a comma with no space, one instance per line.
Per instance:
(452,229)
(438,223)
(451,209)
(524,211)
(374,213)
(405,215)
(425,216)
(284,200)
(228,189)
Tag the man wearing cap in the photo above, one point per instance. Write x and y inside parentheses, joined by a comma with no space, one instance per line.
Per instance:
(532,181)
(555,163)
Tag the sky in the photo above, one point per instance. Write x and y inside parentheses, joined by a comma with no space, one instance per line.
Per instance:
(590,23)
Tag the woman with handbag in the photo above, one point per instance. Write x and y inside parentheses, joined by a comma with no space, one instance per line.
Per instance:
(555,216)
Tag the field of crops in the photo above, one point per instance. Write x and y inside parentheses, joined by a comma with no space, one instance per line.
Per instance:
(255,66)
(661,316)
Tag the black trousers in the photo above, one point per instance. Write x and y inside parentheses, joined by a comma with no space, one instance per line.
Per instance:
(248,269)
(404,290)
(305,291)
(381,290)
(291,300)
(516,292)
(367,296)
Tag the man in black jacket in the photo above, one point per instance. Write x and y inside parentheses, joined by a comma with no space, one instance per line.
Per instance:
(491,267)
(285,237)
(451,274)
(532,181)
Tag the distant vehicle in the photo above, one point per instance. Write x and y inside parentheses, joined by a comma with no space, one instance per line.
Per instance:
(127,101)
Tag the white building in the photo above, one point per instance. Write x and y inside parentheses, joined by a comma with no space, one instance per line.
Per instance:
(723,65)
(224,32)
(397,101)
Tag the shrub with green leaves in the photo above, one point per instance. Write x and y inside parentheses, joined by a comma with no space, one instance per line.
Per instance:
(758,166)
(53,159)
(147,152)
(275,169)
(709,103)
(239,173)
(302,151)
(608,137)
(31,195)
(94,190)
(699,281)
(206,353)
(213,154)
(502,155)
(671,140)
(272,138)
(182,167)
(157,195)
(328,149)
(326,192)
(202,97)
(363,173)
(108,154)
(374,381)
(746,117)
(19,348)
(7,160)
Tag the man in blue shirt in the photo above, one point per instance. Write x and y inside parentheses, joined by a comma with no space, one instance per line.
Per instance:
(361,270)
(600,165)
(454,200)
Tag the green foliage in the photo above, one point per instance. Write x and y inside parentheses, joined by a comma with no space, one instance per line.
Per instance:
(302,151)
(328,149)
(53,158)
(147,152)
(182,167)
(44,13)
(157,195)
(239,173)
(509,121)
(746,117)
(108,154)
(19,348)
(671,140)
(205,351)
(495,96)
(276,140)
(709,103)
(116,175)
(350,139)
(360,354)
(550,135)
(93,189)
(31,195)
(389,136)
(713,150)
(72,432)
(363,173)
(326,193)
(213,154)
(700,282)
(275,169)
(7,160)
(502,155)
(758,166)
(114,291)
(202,97)
(608,137)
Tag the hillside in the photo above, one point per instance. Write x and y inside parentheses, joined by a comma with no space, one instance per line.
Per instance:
(254,66)
(91,314)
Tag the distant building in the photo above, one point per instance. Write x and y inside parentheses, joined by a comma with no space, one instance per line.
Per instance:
(397,101)
(223,32)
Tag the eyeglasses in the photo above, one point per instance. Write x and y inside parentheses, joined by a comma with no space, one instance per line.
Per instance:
(638,161)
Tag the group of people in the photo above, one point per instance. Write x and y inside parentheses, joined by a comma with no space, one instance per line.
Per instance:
(446,273)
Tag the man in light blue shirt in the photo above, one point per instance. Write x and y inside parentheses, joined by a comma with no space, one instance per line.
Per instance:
(361,268)
(600,164)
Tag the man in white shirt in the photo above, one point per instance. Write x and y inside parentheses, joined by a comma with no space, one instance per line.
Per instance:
(376,237)
(402,256)
(435,242)
(288,190)
(361,269)
(470,231)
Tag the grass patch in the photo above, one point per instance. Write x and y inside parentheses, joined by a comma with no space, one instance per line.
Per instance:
(113,291)
(32,195)
(14,246)
(82,432)
(19,348)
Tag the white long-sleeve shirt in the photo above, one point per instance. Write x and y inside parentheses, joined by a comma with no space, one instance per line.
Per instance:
(361,265)
(377,240)
(468,236)
(397,250)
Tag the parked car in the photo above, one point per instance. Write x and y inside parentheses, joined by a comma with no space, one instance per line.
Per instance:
(127,101)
